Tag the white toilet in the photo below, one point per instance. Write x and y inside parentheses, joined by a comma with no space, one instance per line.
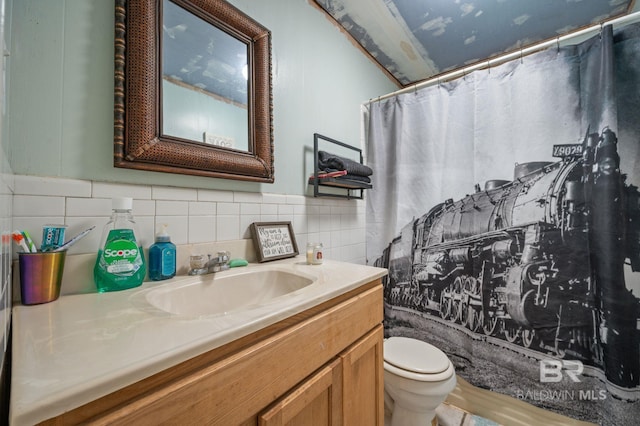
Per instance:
(417,378)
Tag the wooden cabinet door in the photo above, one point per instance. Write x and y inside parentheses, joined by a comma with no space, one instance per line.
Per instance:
(362,381)
(316,402)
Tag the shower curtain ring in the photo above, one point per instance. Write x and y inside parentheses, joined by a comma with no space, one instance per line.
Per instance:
(558,45)
(521,61)
(489,66)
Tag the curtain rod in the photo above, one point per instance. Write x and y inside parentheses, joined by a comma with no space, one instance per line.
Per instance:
(623,20)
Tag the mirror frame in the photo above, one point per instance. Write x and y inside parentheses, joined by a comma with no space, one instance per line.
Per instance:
(138,139)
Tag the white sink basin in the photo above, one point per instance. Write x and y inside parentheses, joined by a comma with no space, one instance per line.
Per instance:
(228,291)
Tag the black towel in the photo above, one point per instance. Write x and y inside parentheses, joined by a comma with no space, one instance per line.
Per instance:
(332,161)
(357,178)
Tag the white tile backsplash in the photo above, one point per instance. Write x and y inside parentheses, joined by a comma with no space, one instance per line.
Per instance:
(141,207)
(86,206)
(296,199)
(299,224)
(215,195)
(228,209)
(35,185)
(172,208)
(172,193)
(269,209)
(31,205)
(202,229)
(114,190)
(245,223)
(247,197)
(193,215)
(147,229)
(202,208)
(285,209)
(227,227)
(274,198)
(77,224)
(313,223)
(250,209)
(177,227)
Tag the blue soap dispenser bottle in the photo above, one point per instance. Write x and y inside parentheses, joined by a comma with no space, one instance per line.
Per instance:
(162,257)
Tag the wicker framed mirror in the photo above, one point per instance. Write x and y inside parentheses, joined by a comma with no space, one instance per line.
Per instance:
(141,138)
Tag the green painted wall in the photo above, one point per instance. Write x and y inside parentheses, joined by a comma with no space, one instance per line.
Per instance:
(61,99)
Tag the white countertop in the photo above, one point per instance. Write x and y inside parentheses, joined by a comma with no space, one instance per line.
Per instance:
(81,347)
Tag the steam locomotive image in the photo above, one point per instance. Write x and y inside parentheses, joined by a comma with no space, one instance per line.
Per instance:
(538,261)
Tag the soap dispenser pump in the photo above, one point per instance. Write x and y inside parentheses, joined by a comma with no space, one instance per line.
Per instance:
(162,257)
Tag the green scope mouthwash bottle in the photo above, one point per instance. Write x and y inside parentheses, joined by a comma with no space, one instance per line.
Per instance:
(120,264)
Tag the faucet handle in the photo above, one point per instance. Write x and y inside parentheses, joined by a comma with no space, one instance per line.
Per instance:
(220,262)
(197,264)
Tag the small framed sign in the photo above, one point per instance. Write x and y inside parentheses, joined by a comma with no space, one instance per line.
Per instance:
(274,240)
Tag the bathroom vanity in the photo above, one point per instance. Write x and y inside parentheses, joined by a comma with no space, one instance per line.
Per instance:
(312,355)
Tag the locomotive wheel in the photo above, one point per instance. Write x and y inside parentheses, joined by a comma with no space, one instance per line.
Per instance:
(528,337)
(489,323)
(511,331)
(456,293)
(464,302)
(464,311)
(445,303)
(471,314)
(474,319)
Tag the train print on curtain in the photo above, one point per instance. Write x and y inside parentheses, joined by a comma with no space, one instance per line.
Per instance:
(509,219)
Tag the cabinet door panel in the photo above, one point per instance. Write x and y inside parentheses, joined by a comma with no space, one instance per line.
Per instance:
(316,402)
(362,372)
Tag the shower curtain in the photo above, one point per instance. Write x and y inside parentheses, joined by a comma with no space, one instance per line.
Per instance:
(506,208)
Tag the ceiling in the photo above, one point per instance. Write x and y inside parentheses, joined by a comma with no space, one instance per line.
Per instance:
(414,40)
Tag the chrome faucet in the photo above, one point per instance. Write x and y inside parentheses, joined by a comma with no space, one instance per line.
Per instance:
(219,263)
(199,265)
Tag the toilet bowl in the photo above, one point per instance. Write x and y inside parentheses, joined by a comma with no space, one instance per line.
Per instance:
(417,378)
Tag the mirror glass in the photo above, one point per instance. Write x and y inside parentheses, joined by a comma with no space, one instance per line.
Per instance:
(204,81)
(193,91)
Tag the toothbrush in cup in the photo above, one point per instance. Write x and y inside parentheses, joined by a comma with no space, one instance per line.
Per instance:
(29,242)
(73,240)
(18,238)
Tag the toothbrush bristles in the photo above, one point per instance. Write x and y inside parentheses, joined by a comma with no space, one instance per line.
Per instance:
(18,238)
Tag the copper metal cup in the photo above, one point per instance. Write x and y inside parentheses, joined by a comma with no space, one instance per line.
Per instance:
(40,276)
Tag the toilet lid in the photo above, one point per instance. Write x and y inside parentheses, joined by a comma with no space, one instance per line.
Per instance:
(414,355)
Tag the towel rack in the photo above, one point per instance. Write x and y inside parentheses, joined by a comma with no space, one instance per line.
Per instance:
(351,186)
